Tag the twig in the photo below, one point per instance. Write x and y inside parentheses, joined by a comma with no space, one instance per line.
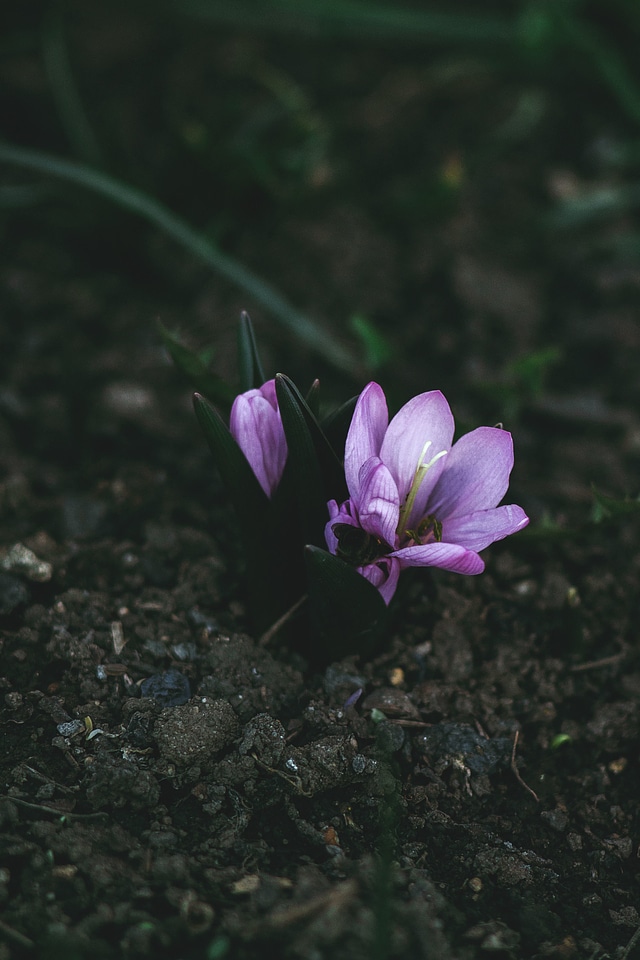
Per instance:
(66,814)
(43,778)
(516,772)
(16,936)
(632,943)
(274,628)
(333,898)
(595,664)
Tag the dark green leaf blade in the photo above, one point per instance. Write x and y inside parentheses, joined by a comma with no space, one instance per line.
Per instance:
(241,484)
(252,375)
(335,425)
(194,370)
(330,463)
(315,471)
(347,613)
(313,398)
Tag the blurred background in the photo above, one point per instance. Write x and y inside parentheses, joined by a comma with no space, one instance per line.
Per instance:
(431,194)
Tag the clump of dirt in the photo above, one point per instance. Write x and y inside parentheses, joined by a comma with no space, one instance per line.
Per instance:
(172,786)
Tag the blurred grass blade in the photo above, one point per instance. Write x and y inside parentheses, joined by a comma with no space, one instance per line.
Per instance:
(606,60)
(134,200)
(609,508)
(346,611)
(357,19)
(71,111)
(594,205)
(195,371)
(252,375)
(377,349)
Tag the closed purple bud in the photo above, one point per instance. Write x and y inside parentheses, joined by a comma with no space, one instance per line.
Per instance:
(256,426)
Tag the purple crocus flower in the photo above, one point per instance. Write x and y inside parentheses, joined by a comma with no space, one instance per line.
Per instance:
(256,426)
(416,500)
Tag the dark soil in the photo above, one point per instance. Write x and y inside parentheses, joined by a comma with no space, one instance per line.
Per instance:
(172,787)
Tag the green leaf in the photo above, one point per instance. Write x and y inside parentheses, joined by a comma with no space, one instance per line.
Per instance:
(252,375)
(194,369)
(608,508)
(241,484)
(377,349)
(313,398)
(347,613)
(315,471)
(335,426)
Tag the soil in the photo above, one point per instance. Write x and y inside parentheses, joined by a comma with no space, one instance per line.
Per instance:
(173,787)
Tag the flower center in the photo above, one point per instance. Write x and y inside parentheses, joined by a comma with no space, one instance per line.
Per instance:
(428,530)
(421,471)
(356,546)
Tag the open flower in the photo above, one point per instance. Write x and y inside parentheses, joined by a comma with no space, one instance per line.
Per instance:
(256,426)
(416,500)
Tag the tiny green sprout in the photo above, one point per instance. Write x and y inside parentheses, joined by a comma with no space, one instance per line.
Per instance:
(559,740)
(377,715)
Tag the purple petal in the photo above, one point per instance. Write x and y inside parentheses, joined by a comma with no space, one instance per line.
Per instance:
(447,556)
(257,428)
(475,474)
(378,505)
(338,514)
(268,391)
(426,417)
(475,531)
(384,577)
(366,432)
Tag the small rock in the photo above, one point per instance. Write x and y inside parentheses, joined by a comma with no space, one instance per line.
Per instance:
(168,689)
(19,559)
(13,593)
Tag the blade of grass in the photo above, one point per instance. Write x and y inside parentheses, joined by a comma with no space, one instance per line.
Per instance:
(351,18)
(65,92)
(252,376)
(136,201)
(605,59)
(195,370)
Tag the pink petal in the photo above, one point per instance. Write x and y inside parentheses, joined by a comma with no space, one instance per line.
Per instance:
(475,531)
(268,391)
(475,474)
(368,425)
(425,417)
(257,428)
(378,503)
(338,514)
(447,556)
(384,576)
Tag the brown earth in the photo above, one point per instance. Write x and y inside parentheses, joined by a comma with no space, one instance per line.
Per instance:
(172,787)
